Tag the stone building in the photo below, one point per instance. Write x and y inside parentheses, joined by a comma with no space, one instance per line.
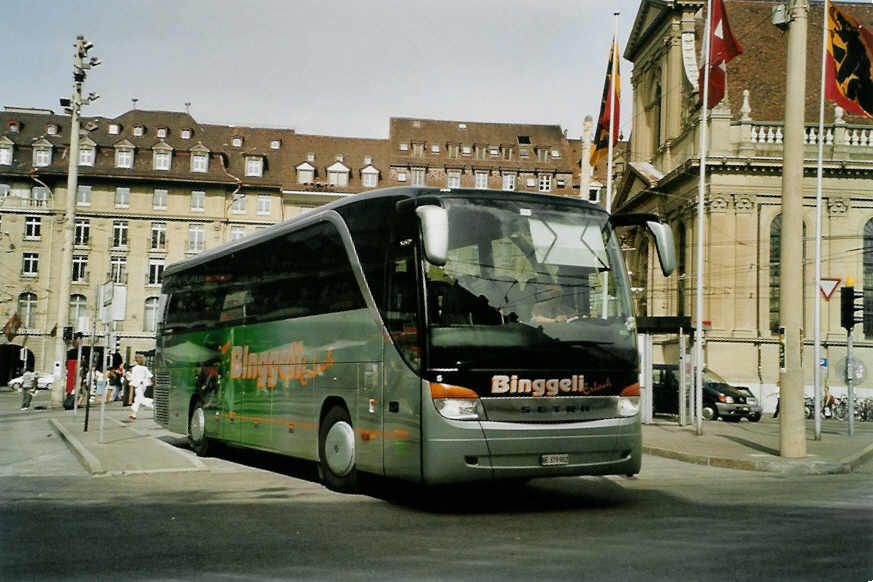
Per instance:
(741,277)
(156,187)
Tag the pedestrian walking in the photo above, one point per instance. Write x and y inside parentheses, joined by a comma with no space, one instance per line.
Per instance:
(28,388)
(114,378)
(140,378)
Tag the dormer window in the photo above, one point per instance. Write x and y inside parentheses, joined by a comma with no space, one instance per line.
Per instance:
(236,141)
(162,160)
(310,157)
(114,129)
(305,173)
(6,146)
(199,159)
(185,134)
(275,144)
(138,131)
(162,132)
(124,155)
(42,154)
(254,166)
(338,175)
(51,129)
(370,177)
(87,153)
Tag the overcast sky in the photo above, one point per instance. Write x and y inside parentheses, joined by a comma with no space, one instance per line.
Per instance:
(330,68)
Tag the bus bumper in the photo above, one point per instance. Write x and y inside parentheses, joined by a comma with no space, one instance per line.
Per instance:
(478,450)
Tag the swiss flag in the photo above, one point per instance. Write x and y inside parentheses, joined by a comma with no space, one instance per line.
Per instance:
(723,46)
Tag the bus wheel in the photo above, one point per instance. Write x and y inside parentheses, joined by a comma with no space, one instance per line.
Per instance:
(336,451)
(197,429)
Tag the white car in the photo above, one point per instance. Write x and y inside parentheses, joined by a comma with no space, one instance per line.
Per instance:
(44,381)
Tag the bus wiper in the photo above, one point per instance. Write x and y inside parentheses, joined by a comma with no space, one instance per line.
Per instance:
(594,254)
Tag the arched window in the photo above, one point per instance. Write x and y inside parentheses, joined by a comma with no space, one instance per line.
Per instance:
(682,265)
(776,270)
(27,310)
(78,310)
(868,266)
(150,315)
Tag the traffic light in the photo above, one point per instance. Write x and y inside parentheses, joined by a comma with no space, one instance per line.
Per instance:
(849,309)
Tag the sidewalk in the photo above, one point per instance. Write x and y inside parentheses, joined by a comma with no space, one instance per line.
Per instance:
(124,447)
(754,446)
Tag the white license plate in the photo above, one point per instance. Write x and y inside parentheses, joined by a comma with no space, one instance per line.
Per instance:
(552,460)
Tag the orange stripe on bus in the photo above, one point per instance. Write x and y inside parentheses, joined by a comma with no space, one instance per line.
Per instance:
(366,435)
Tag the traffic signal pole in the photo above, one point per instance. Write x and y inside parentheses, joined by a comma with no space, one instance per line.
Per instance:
(848,319)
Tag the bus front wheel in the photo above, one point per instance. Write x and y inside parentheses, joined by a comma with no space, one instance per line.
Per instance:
(336,451)
(197,429)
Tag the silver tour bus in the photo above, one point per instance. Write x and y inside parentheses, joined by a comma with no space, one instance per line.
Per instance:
(436,336)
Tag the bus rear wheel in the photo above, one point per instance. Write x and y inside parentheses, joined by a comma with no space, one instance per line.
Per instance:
(336,451)
(197,429)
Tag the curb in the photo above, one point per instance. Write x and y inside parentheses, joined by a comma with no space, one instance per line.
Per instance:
(91,463)
(763,465)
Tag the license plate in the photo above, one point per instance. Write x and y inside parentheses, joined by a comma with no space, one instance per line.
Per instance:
(552,460)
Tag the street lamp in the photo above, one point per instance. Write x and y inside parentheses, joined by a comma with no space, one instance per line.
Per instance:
(73,106)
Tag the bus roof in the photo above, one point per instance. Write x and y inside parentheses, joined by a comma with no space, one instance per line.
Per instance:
(411,192)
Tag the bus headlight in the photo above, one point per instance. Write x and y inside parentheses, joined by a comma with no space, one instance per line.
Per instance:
(455,402)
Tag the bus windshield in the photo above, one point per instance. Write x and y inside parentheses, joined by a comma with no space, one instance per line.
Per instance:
(534,276)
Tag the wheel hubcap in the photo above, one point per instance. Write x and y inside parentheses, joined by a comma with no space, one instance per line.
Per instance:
(339,449)
(197,424)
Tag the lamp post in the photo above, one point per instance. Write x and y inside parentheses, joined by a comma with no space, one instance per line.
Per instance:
(73,106)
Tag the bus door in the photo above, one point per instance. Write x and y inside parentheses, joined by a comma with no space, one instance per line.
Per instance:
(402,362)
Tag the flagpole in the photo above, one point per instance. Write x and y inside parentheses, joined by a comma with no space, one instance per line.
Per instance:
(818,228)
(698,333)
(611,115)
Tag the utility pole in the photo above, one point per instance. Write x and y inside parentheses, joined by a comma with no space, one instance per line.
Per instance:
(792,424)
(584,165)
(73,106)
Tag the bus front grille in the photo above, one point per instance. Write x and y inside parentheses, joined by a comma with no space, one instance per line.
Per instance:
(162,398)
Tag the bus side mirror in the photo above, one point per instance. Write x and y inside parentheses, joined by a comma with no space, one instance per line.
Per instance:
(663,235)
(434,232)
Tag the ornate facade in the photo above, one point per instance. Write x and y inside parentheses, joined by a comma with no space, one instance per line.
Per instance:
(741,275)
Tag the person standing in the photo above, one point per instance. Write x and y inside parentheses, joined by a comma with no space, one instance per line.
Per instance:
(140,377)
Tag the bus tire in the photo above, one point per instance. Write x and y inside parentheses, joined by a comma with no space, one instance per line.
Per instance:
(197,429)
(336,451)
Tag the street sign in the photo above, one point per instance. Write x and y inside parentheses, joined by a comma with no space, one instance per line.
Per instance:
(827,286)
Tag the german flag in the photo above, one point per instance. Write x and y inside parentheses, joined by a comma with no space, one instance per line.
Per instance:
(601,135)
(848,70)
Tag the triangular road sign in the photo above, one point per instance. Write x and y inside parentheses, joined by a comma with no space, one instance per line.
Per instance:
(828,286)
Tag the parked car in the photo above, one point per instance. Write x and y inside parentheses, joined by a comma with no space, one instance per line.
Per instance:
(720,399)
(44,381)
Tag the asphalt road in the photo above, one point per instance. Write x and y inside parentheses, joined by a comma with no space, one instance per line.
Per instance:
(254,516)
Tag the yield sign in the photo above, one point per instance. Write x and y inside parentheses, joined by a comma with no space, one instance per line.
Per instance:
(828,286)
